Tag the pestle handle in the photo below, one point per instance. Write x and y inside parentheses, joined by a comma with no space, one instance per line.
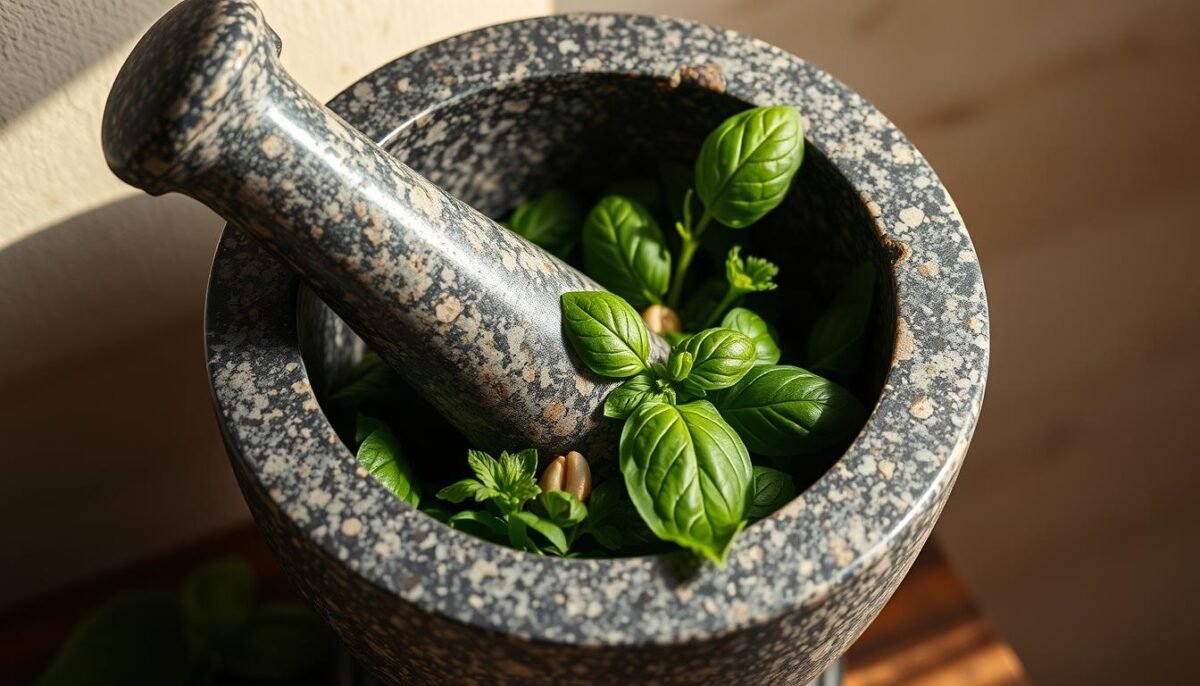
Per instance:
(466,311)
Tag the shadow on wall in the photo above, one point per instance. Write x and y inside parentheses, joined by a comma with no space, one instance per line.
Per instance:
(54,41)
(110,448)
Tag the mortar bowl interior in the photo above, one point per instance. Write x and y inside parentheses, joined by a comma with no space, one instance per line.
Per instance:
(497,147)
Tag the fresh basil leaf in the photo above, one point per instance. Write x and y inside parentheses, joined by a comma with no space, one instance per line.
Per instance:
(721,357)
(467,488)
(283,643)
(835,342)
(644,190)
(624,399)
(688,474)
(783,411)
(624,251)
(380,454)
(562,509)
(217,600)
(680,365)
(772,490)
(746,164)
(754,327)
(551,220)
(481,524)
(369,380)
(608,335)
(751,274)
(545,528)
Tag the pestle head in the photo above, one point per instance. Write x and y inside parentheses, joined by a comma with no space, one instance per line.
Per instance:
(466,311)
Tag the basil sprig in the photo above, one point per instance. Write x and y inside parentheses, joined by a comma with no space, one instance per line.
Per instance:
(784,411)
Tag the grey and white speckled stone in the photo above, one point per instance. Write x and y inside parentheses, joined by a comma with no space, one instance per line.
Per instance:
(495,116)
(466,311)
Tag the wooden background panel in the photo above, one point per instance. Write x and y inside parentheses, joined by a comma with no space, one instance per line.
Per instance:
(1066,132)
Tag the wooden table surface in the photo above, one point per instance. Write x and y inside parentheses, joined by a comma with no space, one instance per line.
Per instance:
(930,633)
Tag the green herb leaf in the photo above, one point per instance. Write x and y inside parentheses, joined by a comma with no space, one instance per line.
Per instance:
(484,525)
(485,467)
(722,356)
(545,528)
(624,399)
(283,643)
(518,535)
(746,164)
(217,600)
(517,479)
(551,220)
(369,380)
(754,327)
(783,411)
(467,488)
(132,639)
(751,274)
(688,474)
(624,251)
(772,490)
(835,342)
(608,335)
(379,453)
(562,509)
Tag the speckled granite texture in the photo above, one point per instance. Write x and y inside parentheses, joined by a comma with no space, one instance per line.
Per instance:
(495,116)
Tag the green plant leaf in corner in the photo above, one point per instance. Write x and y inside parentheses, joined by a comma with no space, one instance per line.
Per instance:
(772,490)
(784,411)
(688,474)
(624,250)
(551,220)
(379,453)
(606,332)
(835,342)
(135,639)
(746,164)
(754,327)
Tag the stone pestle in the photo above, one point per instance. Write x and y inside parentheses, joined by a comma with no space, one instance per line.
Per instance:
(466,311)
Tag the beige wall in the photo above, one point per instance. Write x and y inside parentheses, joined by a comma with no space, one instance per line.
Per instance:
(1066,132)
(108,446)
